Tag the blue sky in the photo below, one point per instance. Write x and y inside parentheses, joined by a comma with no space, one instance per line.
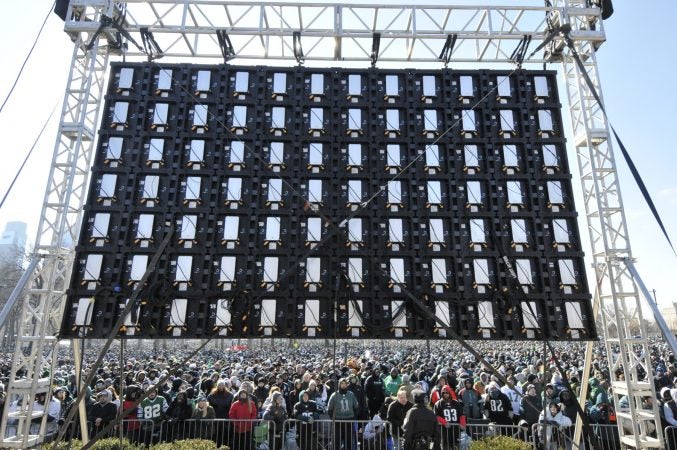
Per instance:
(638,79)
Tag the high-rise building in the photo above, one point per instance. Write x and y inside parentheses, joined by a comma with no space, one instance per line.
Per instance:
(13,240)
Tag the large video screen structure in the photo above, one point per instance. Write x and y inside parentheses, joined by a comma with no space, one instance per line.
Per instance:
(348,203)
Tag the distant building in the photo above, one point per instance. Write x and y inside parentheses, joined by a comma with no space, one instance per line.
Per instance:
(13,241)
(670,316)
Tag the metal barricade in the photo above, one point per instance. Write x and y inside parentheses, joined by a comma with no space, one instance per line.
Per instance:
(327,434)
(132,429)
(670,434)
(549,436)
(237,434)
(607,436)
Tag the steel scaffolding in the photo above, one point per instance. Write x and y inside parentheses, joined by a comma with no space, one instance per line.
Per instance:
(338,33)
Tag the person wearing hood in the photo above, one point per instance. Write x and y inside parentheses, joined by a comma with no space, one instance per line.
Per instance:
(408,387)
(131,424)
(176,387)
(497,406)
(220,399)
(343,407)
(554,420)
(276,412)
(531,405)
(440,383)
(63,395)
(397,411)
(374,391)
(102,412)
(392,382)
(271,396)
(306,412)
(595,389)
(661,380)
(556,381)
(569,408)
(243,413)
(355,387)
(449,412)
(178,412)
(471,400)
(261,390)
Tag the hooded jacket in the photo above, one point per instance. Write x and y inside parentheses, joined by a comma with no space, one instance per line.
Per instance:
(343,405)
(471,401)
(179,410)
(531,407)
(568,403)
(305,411)
(450,411)
(221,401)
(276,412)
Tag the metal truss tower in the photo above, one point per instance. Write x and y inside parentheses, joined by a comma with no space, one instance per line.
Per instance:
(343,34)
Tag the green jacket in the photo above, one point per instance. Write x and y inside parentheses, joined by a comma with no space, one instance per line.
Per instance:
(343,406)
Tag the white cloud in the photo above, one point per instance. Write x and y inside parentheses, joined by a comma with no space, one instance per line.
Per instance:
(670,194)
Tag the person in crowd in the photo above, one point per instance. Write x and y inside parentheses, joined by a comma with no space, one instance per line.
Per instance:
(221,400)
(355,387)
(374,391)
(392,382)
(668,412)
(276,413)
(449,412)
(102,412)
(306,412)
(397,411)
(151,412)
(553,424)
(550,395)
(63,395)
(514,394)
(261,390)
(375,431)
(209,382)
(178,412)
(498,408)
(244,413)
(420,426)
(130,423)
(343,407)
(470,399)
(115,399)
(531,406)
(203,415)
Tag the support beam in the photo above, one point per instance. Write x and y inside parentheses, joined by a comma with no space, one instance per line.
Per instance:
(59,229)
(619,301)
(338,32)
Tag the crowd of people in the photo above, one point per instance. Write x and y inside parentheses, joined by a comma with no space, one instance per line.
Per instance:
(373,383)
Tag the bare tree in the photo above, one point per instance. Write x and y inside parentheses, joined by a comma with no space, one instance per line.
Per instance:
(12,267)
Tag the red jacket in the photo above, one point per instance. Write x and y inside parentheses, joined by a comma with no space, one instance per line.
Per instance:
(436,394)
(243,416)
